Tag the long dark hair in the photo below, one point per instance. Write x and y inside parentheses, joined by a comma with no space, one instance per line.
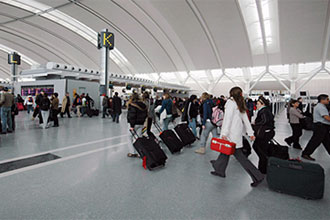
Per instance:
(237,94)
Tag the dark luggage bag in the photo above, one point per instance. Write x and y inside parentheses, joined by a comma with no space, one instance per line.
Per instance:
(307,123)
(149,151)
(301,179)
(173,143)
(185,134)
(277,150)
(246,147)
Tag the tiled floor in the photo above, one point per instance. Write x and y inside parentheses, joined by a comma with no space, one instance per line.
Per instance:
(94,179)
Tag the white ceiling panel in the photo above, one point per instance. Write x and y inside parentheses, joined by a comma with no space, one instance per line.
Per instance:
(121,43)
(302,25)
(228,31)
(53,3)
(185,24)
(51,42)
(133,29)
(13,11)
(84,45)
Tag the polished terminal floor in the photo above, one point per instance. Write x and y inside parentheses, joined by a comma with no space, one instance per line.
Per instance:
(93,179)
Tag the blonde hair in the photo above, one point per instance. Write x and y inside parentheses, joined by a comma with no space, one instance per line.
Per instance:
(205,96)
(167,96)
(134,98)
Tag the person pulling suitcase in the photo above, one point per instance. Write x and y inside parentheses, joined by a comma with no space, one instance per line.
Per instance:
(136,116)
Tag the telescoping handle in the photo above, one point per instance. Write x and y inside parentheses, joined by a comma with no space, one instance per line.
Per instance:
(134,134)
(158,127)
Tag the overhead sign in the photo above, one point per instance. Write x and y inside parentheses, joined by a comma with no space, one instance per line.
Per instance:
(106,39)
(14,58)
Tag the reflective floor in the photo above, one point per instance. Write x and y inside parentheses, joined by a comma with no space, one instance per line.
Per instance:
(93,179)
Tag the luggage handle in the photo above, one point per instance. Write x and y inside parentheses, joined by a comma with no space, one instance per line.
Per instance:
(158,127)
(275,141)
(134,134)
(295,166)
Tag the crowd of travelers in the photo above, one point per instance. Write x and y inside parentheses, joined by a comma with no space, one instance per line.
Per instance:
(242,119)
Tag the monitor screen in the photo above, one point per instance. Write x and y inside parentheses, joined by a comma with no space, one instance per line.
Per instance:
(266,93)
(34,90)
(303,93)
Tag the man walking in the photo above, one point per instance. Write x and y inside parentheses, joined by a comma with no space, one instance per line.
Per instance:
(116,107)
(321,128)
(6,102)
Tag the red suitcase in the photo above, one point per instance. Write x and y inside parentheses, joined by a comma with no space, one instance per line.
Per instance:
(223,146)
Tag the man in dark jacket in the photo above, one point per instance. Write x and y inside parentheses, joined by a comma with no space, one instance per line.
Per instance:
(116,107)
(54,109)
(105,105)
(37,108)
(6,102)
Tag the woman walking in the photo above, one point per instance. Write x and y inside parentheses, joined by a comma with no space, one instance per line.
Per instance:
(235,124)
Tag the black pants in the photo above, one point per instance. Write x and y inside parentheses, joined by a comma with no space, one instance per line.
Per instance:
(296,134)
(67,111)
(149,124)
(105,112)
(221,164)
(320,135)
(54,117)
(37,113)
(260,146)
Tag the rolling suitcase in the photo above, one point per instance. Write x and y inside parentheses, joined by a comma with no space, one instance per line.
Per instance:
(150,152)
(301,179)
(172,141)
(185,134)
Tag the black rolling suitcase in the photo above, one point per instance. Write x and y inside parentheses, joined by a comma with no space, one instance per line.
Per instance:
(149,151)
(170,139)
(185,134)
(301,179)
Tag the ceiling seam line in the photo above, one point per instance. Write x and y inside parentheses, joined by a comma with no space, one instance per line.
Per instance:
(204,26)
(158,42)
(164,33)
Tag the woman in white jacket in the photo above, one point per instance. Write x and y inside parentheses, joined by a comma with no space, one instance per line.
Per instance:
(235,124)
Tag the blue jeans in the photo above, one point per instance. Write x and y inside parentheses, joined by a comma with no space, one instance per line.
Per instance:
(116,117)
(192,125)
(29,108)
(209,128)
(6,118)
(166,121)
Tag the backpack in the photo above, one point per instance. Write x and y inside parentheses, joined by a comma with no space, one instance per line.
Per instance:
(217,116)
(30,99)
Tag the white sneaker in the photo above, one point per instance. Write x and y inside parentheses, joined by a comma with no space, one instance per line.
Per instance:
(200,150)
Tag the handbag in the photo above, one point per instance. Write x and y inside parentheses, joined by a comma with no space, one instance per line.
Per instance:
(223,146)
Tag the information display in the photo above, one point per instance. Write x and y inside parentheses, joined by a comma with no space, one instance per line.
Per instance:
(33,90)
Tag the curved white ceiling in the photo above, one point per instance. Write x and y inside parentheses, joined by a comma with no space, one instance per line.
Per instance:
(160,36)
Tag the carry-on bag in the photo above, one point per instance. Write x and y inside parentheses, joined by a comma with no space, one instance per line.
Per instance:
(150,152)
(171,140)
(223,146)
(297,178)
(277,150)
(307,123)
(185,134)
